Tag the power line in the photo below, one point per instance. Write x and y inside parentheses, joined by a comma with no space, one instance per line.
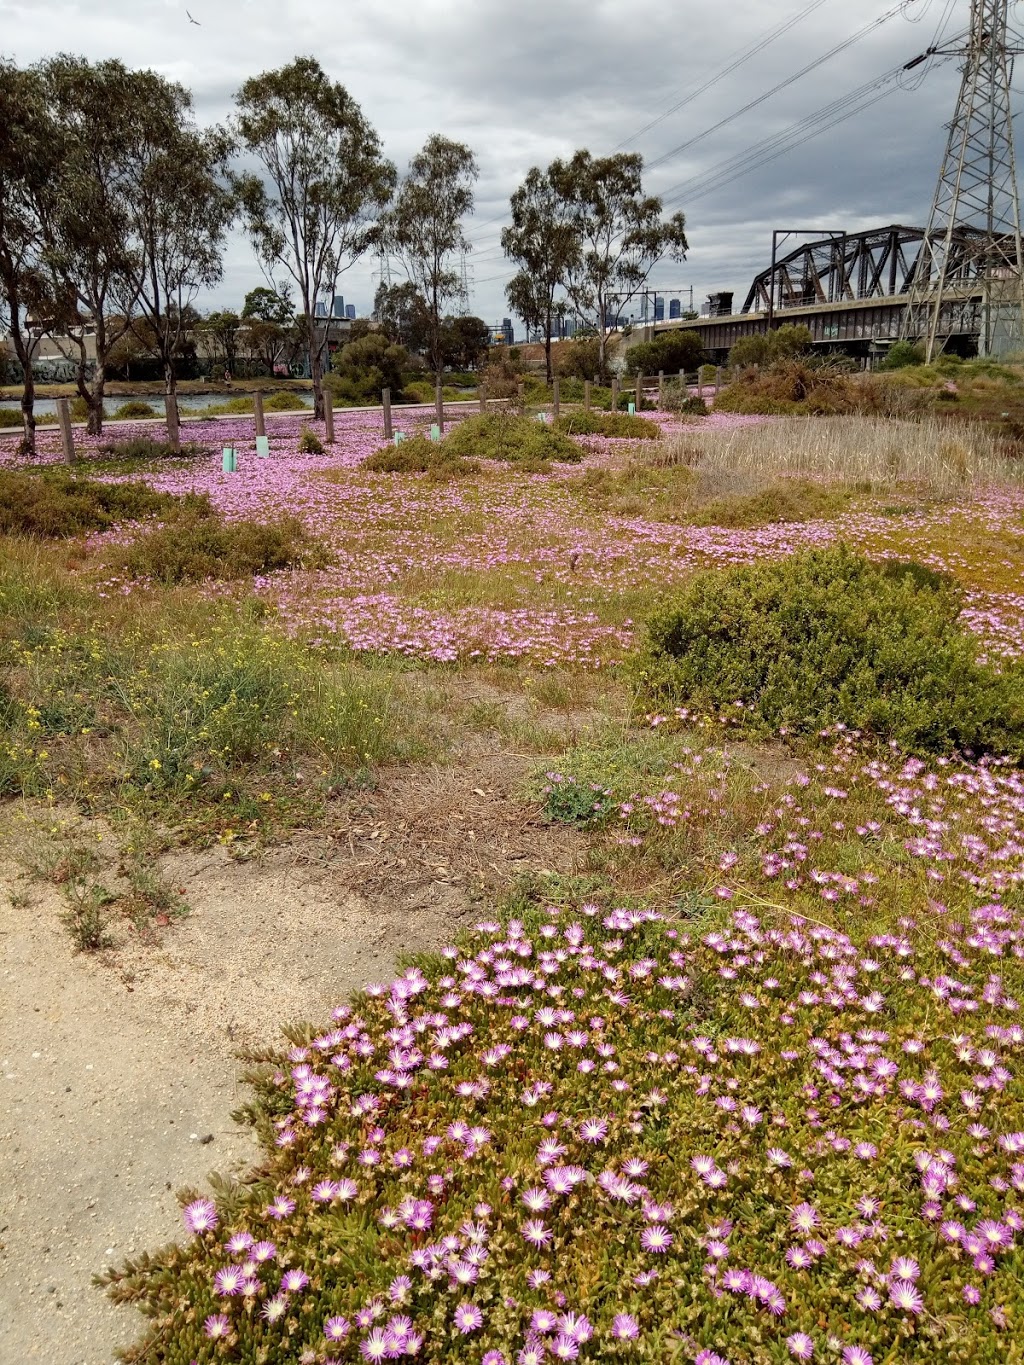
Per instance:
(782,85)
(769,149)
(743,55)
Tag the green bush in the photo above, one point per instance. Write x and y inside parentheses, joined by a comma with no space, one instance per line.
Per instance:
(680,350)
(768,348)
(791,388)
(420,456)
(56,504)
(309,442)
(195,548)
(578,359)
(360,370)
(284,401)
(676,397)
(901,355)
(828,638)
(504,436)
(134,409)
(622,425)
(10,418)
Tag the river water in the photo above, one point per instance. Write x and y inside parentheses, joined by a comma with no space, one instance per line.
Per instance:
(47,407)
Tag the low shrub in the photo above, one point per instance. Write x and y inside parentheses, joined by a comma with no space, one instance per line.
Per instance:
(309,442)
(789,500)
(676,397)
(903,354)
(829,638)
(57,504)
(421,456)
(505,436)
(791,387)
(195,548)
(284,401)
(423,391)
(771,348)
(144,449)
(619,425)
(678,350)
(10,418)
(134,409)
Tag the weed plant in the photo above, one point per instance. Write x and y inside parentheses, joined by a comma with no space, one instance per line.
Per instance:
(512,439)
(57,504)
(201,717)
(309,442)
(421,456)
(193,548)
(620,425)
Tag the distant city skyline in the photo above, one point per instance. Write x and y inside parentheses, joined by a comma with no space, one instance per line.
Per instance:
(524,85)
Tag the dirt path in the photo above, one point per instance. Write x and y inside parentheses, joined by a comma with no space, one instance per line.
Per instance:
(118,1072)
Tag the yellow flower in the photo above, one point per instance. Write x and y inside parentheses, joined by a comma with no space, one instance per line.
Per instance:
(155,764)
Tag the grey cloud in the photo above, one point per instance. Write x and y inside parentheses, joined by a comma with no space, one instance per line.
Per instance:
(525,83)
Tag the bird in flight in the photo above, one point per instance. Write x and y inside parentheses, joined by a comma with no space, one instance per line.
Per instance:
(193,21)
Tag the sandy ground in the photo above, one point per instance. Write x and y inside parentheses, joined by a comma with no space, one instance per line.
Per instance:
(118,1072)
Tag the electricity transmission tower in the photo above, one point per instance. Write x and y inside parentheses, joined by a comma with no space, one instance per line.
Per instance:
(972,246)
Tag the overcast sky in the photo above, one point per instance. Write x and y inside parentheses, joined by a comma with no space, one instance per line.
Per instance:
(524,82)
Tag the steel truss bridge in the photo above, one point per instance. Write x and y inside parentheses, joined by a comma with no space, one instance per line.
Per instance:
(851,290)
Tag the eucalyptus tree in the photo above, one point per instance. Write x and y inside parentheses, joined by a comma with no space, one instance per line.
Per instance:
(425,230)
(183,204)
(314,208)
(621,235)
(29,158)
(543,241)
(90,250)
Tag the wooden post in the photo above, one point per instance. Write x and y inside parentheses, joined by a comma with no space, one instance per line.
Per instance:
(661,387)
(329,416)
(718,378)
(554,400)
(385,398)
(522,397)
(586,395)
(482,395)
(639,392)
(615,393)
(439,405)
(700,384)
(67,440)
(257,410)
(171,409)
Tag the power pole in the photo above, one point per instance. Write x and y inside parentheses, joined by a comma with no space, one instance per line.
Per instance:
(972,245)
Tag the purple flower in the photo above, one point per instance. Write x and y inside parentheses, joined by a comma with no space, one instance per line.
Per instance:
(800,1346)
(656,1238)
(904,1295)
(337,1328)
(565,1348)
(200,1216)
(294,1280)
(468,1318)
(534,1232)
(625,1327)
(856,1355)
(217,1325)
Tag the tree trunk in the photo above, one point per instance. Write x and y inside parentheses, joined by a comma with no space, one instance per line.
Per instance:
(28,403)
(547,348)
(99,388)
(602,346)
(170,377)
(316,370)
(28,392)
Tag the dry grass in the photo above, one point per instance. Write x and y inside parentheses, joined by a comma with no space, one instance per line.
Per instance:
(944,457)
